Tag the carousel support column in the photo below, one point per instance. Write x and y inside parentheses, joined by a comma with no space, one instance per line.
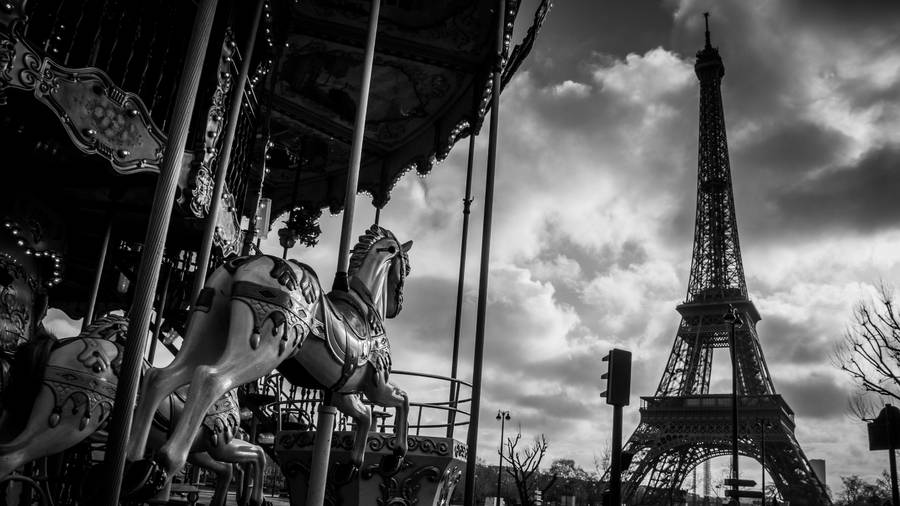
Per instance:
(151,260)
(95,287)
(325,425)
(472,441)
(340,277)
(234,114)
(467,205)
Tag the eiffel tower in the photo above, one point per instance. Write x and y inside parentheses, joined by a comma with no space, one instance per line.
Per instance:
(683,425)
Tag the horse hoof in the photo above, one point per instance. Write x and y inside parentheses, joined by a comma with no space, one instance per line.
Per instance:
(344,472)
(390,464)
(143,480)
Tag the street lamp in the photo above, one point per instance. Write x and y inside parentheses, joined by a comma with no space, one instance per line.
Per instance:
(503,416)
(763,424)
(734,320)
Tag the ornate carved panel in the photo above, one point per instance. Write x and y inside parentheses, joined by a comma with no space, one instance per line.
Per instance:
(99,117)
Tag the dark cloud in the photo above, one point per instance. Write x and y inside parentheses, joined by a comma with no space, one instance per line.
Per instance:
(816,396)
(574,30)
(786,342)
(861,198)
(786,150)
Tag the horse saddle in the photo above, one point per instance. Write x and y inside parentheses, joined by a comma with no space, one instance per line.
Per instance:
(351,331)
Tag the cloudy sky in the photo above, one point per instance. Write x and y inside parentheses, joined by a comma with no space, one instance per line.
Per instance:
(595,201)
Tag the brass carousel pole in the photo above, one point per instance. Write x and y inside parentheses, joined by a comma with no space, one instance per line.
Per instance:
(315,495)
(151,260)
(95,287)
(472,441)
(234,115)
(467,205)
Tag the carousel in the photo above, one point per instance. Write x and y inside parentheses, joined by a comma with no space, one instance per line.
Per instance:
(147,147)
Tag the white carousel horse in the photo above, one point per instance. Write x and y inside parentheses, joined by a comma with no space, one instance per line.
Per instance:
(258,312)
(62,392)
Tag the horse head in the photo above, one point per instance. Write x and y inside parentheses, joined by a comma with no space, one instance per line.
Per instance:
(381,264)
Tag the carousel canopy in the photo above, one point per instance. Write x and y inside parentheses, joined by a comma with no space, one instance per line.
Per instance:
(430,87)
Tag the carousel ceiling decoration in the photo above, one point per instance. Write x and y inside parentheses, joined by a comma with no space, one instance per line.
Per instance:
(430,87)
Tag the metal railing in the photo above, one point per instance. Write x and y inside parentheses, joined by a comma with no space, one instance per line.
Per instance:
(297,407)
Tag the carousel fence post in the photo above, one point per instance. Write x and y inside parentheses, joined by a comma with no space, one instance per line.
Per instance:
(467,205)
(325,424)
(95,287)
(472,441)
(151,260)
(234,115)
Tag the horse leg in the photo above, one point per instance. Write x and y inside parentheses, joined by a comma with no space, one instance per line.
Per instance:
(386,394)
(352,406)
(239,363)
(38,439)
(223,470)
(158,385)
(239,451)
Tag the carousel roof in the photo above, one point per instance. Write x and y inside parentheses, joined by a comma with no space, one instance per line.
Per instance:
(430,87)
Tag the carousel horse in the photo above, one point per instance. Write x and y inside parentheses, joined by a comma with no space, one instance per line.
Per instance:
(259,312)
(62,392)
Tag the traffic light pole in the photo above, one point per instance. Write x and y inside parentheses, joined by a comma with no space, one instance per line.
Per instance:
(615,468)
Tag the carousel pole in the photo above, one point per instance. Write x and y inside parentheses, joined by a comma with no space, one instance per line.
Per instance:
(293,201)
(467,205)
(95,287)
(151,259)
(472,441)
(315,495)
(234,115)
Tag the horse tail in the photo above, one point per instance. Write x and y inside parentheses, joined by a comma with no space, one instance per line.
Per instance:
(26,379)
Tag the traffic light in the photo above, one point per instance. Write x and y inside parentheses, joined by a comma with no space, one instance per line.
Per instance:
(618,377)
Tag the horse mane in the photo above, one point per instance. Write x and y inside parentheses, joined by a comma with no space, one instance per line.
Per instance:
(364,246)
(26,378)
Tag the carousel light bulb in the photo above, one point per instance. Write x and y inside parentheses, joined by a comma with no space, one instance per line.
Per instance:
(20,242)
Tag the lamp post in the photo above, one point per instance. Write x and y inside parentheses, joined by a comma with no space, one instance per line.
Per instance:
(763,425)
(503,416)
(734,320)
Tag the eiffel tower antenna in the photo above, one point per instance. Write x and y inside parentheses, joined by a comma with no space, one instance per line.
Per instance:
(683,424)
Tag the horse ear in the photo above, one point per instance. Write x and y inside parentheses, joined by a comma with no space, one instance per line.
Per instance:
(406,246)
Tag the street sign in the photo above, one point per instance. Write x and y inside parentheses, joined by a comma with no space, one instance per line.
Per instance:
(749,494)
(730,482)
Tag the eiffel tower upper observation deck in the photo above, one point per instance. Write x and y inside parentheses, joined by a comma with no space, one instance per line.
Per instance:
(683,424)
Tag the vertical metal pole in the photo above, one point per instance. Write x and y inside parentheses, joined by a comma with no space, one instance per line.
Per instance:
(293,203)
(359,130)
(325,426)
(500,466)
(615,464)
(234,114)
(892,443)
(762,453)
(467,205)
(151,354)
(315,492)
(734,415)
(472,440)
(151,259)
(95,287)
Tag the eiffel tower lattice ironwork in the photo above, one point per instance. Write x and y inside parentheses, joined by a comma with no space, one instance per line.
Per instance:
(684,425)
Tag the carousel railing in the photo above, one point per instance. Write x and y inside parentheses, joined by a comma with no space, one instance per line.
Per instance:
(296,407)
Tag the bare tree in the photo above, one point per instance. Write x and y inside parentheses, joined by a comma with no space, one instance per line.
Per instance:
(523,466)
(870,352)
